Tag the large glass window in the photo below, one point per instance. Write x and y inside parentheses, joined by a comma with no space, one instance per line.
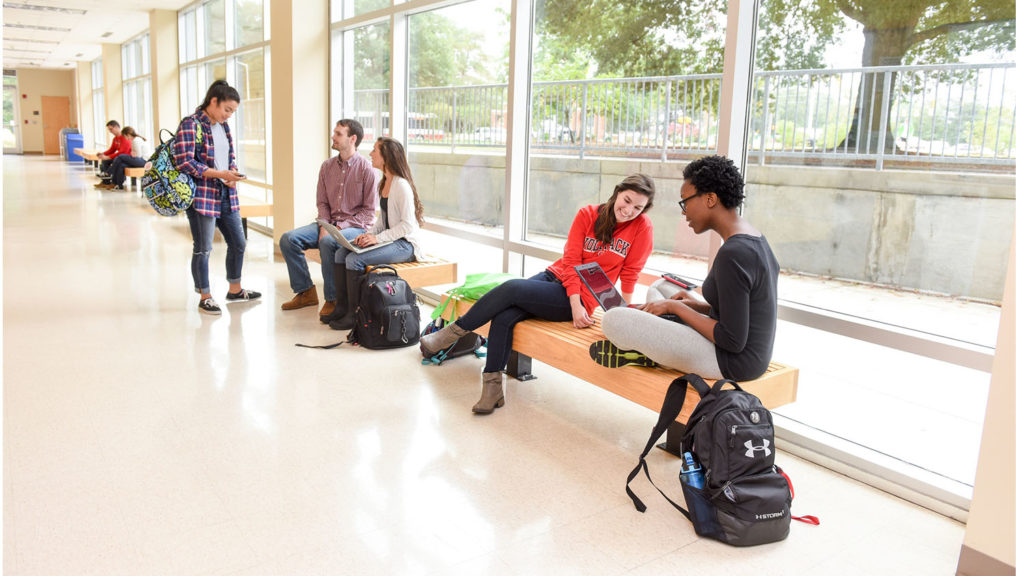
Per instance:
(251,136)
(881,168)
(361,78)
(603,107)
(225,40)
(456,111)
(342,9)
(99,108)
(213,27)
(137,87)
(248,22)
(12,131)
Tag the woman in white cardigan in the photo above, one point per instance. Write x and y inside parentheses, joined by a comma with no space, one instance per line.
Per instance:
(401,215)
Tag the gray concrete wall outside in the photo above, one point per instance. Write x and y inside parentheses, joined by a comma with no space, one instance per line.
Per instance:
(935,231)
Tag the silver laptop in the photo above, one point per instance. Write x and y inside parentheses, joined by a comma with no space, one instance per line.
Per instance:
(337,235)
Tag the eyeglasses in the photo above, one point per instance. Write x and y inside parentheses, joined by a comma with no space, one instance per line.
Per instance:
(682,203)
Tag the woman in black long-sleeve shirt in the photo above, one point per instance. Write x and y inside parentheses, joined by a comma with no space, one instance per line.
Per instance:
(730,332)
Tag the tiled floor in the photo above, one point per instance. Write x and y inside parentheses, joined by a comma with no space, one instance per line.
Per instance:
(141,437)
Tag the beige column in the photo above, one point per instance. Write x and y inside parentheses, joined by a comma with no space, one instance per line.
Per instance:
(83,88)
(299,49)
(989,544)
(163,66)
(113,93)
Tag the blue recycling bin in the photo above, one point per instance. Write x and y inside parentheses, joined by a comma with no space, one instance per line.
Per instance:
(72,141)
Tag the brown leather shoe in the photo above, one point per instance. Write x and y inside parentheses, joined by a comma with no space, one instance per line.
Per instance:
(301,300)
(327,310)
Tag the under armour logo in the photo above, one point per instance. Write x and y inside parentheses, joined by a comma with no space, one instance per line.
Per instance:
(751,448)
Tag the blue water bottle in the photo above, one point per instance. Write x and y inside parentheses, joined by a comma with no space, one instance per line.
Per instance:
(691,473)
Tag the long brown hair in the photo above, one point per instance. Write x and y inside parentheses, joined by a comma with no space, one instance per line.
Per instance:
(131,133)
(393,154)
(605,224)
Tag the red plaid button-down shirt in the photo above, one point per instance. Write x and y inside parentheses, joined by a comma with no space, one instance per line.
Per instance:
(195,160)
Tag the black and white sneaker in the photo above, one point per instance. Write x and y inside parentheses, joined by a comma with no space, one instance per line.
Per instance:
(243,295)
(209,306)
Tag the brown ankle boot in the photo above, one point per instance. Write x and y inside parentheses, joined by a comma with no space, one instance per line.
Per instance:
(492,396)
(327,310)
(301,300)
(435,342)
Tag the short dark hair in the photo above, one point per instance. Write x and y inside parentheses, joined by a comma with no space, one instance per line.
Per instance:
(716,174)
(114,123)
(222,91)
(354,129)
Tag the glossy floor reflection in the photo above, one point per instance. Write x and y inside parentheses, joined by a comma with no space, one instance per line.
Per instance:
(141,437)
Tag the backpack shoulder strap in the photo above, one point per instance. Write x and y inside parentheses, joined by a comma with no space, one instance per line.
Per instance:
(674,399)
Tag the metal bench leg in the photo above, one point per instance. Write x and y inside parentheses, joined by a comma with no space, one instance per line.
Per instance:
(673,438)
(520,367)
(245,228)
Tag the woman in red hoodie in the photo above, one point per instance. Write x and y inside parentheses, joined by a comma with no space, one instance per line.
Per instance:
(617,235)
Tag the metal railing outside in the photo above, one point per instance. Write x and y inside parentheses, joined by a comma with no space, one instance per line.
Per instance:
(961,115)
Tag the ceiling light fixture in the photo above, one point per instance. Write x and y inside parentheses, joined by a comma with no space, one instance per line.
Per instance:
(106,35)
(43,28)
(6,49)
(30,41)
(44,8)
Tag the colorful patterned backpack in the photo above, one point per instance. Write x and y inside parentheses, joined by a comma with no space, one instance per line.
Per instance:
(169,191)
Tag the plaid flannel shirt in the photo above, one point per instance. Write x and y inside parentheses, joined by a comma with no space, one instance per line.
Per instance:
(196,160)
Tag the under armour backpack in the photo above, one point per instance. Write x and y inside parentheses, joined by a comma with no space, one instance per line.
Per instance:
(168,190)
(746,498)
(387,315)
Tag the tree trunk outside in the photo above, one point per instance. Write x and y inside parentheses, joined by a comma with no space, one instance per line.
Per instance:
(868,127)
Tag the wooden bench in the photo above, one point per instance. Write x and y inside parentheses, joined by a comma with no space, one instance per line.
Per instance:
(560,345)
(251,208)
(417,274)
(89,156)
(135,174)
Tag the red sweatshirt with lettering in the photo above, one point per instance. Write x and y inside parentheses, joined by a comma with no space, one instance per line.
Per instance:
(621,260)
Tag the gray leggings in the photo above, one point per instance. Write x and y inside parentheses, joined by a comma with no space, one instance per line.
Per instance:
(668,343)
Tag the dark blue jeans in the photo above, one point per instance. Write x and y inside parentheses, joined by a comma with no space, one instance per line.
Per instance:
(120,163)
(541,296)
(230,225)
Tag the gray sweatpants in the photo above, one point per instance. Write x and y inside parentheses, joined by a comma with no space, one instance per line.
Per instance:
(668,343)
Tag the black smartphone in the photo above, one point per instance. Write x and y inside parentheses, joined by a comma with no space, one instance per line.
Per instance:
(686,284)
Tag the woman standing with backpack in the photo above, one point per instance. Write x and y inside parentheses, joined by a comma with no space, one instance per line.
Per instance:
(204,149)
(617,235)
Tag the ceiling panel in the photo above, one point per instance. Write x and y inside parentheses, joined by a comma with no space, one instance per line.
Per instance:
(76,37)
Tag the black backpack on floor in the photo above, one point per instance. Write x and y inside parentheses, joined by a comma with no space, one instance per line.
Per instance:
(746,498)
(387,315)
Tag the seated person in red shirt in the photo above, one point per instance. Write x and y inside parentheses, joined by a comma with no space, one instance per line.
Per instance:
(617,235)
(120,145)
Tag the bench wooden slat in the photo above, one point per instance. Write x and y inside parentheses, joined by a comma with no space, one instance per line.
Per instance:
(560,345)
(416,274)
